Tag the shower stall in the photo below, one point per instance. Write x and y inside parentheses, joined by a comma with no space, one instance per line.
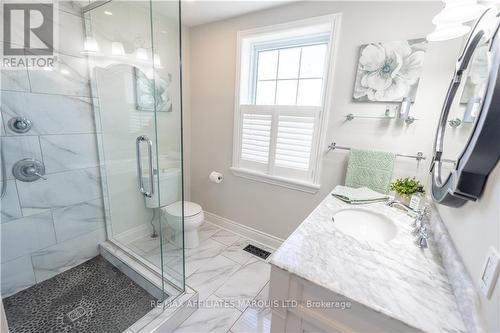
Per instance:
(91,152)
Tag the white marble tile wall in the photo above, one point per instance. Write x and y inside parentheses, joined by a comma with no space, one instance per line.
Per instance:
(51,225)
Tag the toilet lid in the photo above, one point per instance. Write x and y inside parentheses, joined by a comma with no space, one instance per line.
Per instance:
(190,209)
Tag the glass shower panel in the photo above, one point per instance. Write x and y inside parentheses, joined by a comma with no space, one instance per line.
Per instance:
(168,76)
(136,91)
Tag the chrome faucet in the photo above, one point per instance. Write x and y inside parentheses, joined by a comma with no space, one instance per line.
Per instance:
(393,202)
(420,223)
(420,228)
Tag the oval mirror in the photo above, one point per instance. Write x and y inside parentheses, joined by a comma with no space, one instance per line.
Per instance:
(467,143)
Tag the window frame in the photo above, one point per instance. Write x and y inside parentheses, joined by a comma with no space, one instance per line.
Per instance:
(312,185)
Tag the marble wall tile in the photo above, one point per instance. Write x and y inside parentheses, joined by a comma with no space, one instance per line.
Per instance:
(16,148)
(63,256)
(49,114)
(10,208)
(16,275)
(2,123)
(70,78)
(69,152)
(14,80)
(22,236)
(246,283)
(71,30)
(73,7)
(72,221)
(61,189)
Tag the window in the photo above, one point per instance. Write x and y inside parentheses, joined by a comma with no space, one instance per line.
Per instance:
(283,75)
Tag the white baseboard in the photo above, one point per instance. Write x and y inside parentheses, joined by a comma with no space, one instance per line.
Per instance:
(242,230)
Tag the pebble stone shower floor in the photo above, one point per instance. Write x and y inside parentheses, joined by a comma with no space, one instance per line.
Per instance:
(92,297)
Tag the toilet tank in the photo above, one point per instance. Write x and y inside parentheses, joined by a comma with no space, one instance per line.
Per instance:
(170,188)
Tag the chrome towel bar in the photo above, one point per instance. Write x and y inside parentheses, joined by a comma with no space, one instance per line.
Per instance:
(419,157)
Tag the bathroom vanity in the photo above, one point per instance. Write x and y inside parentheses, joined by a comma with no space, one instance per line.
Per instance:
(330,277)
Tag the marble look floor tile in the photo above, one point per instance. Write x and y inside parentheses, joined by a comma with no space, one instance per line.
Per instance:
(10,208)
(147,244)
(235,251)
(195,257)
(16,275)
(51,193)
(211,276)
(50,114)
(83,218)
(22,236)
(257,317)
(69,152)
(207,230)
(20,147)
(63,256)
(245,284)
(70,78)
(225,237)
(210,320)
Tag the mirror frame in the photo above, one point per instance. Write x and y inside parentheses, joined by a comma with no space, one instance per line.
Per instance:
(482,150)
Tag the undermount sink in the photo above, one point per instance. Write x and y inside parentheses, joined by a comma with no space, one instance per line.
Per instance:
(365,225)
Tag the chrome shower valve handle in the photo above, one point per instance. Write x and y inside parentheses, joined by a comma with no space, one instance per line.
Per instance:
(29,170)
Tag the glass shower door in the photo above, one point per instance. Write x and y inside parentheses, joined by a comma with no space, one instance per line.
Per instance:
(133,49)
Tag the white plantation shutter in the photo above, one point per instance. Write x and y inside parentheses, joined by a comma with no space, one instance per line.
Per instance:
(294,141)
(256,137)
(279,140)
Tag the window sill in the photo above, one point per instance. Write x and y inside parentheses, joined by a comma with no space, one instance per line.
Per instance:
(275,180)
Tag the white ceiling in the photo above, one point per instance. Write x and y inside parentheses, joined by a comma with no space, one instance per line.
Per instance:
(196,12)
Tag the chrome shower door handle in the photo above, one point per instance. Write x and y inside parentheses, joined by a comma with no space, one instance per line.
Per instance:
(138,141)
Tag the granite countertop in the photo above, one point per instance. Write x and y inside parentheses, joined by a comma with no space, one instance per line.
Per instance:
(395,278)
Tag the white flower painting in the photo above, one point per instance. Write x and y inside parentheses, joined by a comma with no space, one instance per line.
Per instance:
(389,71)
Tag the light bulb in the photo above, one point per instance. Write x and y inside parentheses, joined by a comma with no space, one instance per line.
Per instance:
(157,61)
(90,45)
(117,49)
(141,54)
(447,31)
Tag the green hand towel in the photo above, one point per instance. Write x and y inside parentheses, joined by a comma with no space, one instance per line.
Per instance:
(372,169)
(359,195)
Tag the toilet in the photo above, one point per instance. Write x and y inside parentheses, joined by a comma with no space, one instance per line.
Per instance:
(171,209)
(193,218)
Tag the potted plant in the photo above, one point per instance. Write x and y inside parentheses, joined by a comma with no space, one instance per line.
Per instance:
(405,188)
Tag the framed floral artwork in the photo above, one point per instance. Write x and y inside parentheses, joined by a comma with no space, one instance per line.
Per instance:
(389,71)
(152,94)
